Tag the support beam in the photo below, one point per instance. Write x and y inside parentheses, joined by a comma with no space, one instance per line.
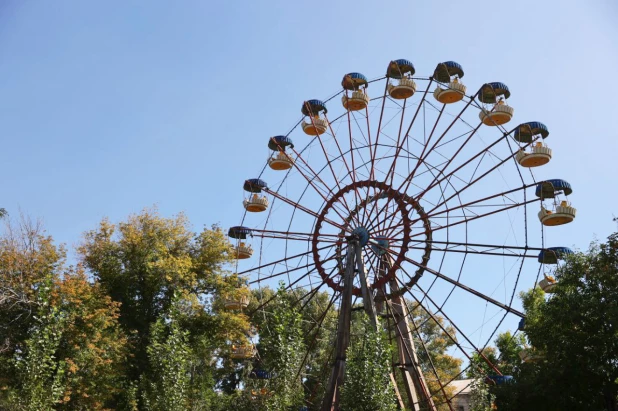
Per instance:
(333,389)
(415,385)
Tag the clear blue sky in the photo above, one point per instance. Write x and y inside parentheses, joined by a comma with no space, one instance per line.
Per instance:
(110,107)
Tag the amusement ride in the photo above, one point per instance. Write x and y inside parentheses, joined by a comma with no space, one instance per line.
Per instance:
(420,193)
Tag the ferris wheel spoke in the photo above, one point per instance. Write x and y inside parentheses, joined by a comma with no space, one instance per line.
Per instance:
(290,258)
(485,150)
(479,252)
(310,181)
(375,149)
(463,287)
(286,288)
(424,153)
(476,217)
(439,323)
(285,235)
(314,337)
(303,208)
(285,272)
(448,333)
(401,144)
(475,202)
(472,182)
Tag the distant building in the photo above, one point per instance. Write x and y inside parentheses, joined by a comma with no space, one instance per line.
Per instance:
(461,401)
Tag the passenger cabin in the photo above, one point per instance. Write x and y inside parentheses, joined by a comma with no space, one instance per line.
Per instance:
(495,110)
(355,96)
(402,71)
(451,90)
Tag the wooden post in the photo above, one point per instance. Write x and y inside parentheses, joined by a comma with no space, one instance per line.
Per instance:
(415,384)
(331,398)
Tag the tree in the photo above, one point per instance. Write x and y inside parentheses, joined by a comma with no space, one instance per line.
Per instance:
(281,349)
(28,259)
(167,385)
(40,376)
(367,385)
(576,331)
(432,342)
(142,264)
(3,212)
(93,346)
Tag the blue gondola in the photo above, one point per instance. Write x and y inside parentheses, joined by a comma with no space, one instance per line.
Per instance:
(401,70)
(255,203)
(561,211)
(526,131)
(551,188)
(445,71)
(491,92)
(537,155)
(254,185)
(314,124)
(241,250)
(357,84)
(239,232)
(495,94)
(551,255)
(261,374)
(398,69)
(354,81)
(313,108)
(280,160)
(449,73)
(501,379)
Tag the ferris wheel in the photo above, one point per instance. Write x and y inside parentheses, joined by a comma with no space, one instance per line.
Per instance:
(419,193)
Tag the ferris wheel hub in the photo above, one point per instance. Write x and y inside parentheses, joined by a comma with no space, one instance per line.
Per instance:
(362,234)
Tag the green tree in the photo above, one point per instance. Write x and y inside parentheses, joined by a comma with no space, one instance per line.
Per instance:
(141,263)
(367,385)
(281,350)
(167,384)
(432,342)
(576,332)
(40,376)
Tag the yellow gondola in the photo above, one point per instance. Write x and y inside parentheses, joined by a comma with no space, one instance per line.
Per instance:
(449,73)
(401,70)
(358,99)
(496,110)
(314,124)
(280,160)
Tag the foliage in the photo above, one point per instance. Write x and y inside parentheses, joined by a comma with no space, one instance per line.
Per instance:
(575,331)
(40,376)
(28,259)
(481,399)
(367,385)
(93,346)
(167,384)
(431,338)
(281,349)
(143,262)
